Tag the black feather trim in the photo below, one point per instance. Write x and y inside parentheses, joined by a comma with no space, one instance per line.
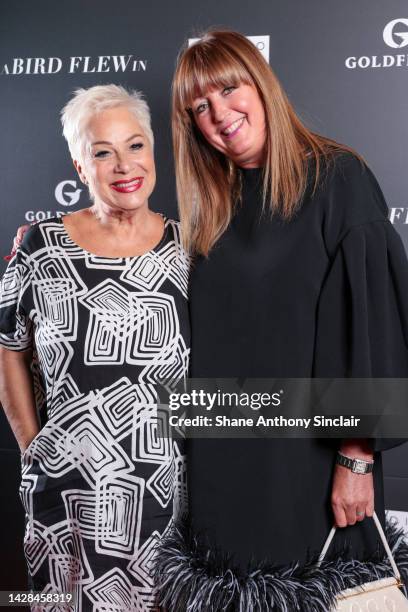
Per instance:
(190,578)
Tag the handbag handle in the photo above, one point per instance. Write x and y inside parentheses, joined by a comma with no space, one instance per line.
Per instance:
(383,539)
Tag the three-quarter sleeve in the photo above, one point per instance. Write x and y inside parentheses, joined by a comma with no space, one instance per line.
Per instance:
(16,330)
(362,318)
(362,327)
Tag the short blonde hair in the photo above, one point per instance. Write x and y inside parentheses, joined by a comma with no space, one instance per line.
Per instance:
(86,103)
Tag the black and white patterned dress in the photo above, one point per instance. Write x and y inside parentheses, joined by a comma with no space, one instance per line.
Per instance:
(99,486)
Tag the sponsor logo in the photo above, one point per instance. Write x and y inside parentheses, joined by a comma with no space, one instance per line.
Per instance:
(33,216)
(66,193)
(392,37)
(395,36)
(66,196)
(399,215)
(261,42)
(72,65)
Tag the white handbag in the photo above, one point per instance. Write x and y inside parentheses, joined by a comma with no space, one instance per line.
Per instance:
(382,595)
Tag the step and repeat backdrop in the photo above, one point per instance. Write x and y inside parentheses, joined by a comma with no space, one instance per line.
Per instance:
(344,66)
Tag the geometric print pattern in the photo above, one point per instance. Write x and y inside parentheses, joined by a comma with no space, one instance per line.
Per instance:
(102,481)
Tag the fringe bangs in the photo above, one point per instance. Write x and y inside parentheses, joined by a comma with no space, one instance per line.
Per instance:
(205,67)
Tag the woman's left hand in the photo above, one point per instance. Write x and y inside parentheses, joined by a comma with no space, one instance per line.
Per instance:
(17,241)
(352,496)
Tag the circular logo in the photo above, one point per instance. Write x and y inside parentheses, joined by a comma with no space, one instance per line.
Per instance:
(394,36)
(67,197)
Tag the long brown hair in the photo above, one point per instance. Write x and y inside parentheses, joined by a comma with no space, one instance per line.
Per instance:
(207,181)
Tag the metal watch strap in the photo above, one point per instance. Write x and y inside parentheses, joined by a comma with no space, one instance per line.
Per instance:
(358,466)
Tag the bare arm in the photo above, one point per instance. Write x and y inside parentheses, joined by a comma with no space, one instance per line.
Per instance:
(17,395)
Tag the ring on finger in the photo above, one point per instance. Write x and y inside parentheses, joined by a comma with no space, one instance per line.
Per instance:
(360,513)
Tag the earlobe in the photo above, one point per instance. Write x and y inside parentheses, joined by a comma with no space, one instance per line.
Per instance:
(81,175)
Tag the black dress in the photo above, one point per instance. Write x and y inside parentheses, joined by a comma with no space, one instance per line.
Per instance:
(324,295)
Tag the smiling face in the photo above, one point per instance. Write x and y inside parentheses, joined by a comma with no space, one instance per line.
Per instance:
(232,120)
(118,163)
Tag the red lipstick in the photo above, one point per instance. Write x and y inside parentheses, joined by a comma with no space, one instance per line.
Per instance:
(128,185)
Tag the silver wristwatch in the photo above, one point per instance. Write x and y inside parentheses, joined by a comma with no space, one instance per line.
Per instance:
(358,466)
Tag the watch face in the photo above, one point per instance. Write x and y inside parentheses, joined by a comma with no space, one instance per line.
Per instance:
(359,467)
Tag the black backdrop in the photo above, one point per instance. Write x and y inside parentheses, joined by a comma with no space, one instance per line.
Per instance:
(343,64)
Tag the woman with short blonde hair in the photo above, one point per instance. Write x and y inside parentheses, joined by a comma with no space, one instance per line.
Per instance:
(100,296)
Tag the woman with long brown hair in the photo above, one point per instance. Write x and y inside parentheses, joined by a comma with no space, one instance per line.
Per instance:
(297,274)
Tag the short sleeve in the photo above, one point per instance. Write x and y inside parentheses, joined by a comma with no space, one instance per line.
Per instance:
(16,331)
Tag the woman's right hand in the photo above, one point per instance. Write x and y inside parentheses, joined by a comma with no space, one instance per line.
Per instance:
(17,241)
